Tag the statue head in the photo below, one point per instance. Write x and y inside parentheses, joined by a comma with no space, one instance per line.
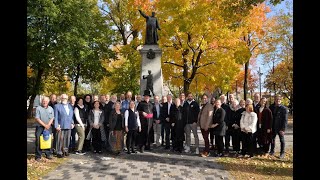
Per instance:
(149,71)
(153,14)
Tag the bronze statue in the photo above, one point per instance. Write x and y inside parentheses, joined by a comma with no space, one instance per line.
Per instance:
(151,29)
(149,78)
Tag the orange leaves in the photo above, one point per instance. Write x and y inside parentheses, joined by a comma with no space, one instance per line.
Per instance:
(144,5)
(252,80)
(255,21)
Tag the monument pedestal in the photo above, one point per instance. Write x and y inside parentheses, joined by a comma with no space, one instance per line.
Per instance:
(151,60)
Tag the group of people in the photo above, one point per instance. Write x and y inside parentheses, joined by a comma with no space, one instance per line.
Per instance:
(107,124)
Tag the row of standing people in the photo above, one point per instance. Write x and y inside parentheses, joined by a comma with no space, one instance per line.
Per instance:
(98,120)
(255,125)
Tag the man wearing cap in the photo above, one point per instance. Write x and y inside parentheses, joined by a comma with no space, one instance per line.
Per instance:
(145,109)
(44,118)
(63,123)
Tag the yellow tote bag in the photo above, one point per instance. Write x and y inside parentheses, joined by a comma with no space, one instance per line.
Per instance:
(45,144)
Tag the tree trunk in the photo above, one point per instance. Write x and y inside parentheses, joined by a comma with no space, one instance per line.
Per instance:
(30,108)
(245,84)
(35,92)
(186,86)
(124,39)
(186,83)
(75,93)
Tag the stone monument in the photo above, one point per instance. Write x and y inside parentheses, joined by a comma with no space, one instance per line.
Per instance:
(151,74)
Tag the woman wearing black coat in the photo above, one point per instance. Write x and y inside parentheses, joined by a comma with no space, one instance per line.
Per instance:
(236,126)
(178,125)
(219,126)
(264,125)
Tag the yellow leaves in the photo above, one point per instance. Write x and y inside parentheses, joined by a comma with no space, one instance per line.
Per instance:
(242,54)
(29,71)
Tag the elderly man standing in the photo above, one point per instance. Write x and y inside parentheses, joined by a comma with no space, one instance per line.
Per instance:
(44,119)
(63,114)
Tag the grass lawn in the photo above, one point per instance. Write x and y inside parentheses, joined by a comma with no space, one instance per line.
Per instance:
(259,167)
(36,170)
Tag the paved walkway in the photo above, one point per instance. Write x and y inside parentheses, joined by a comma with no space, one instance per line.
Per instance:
(148,165)
(155,164)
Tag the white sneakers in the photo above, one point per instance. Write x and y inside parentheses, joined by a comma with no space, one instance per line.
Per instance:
(197,151)
(187,149)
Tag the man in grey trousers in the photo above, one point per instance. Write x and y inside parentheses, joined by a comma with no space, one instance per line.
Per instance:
(63,114)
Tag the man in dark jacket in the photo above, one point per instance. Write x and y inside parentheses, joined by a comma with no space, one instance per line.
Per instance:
(226,107)
(190,116)
(165,119)
(52,103)
(280,120)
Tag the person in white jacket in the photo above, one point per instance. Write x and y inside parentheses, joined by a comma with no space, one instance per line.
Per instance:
(248,125)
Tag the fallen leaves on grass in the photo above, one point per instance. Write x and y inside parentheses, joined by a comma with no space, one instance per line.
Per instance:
(260,167)
(36,170)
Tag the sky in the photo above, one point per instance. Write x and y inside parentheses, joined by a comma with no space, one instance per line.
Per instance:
(274,10)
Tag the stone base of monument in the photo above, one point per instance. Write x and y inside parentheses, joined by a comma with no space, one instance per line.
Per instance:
(151,61)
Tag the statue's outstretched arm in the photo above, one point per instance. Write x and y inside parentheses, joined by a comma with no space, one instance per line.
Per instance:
(142,14)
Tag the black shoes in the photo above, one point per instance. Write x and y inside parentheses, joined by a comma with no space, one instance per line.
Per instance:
(59,156)
(219,155)
(66,153)
(49,157)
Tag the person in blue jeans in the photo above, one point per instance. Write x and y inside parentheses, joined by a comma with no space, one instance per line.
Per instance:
(44,118)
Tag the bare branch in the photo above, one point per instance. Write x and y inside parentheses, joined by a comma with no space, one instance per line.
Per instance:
(201,74)
(188,43)
(167,62)
(177,77)
(179,40)
(252,49)
(207,64)
(200,42)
